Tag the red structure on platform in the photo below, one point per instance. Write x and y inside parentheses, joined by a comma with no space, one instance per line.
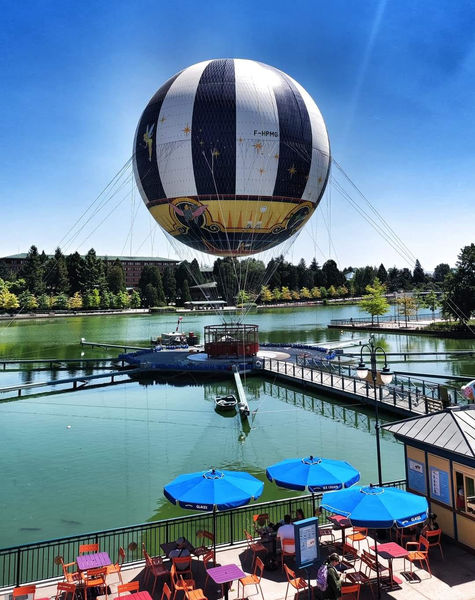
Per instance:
(231,340)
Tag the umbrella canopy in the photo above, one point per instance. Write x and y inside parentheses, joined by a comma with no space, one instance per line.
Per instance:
(377,507)
(313,473)
(213,490)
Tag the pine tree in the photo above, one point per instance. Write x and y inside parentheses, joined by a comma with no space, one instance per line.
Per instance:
(418,275)
(32,271)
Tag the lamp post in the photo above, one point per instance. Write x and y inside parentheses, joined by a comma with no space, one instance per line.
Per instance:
(386,377)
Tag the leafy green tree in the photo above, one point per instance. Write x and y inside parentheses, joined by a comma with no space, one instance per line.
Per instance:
(242,297)
(18,286)
(305,293)
(123,300)
(8,300)
(407,306)
(135,300)
(332,291)
(418,275)
(316,293)
(342,291)
(266,294)
(276,294)
(332,274)
(61,301)
(115,277)
(92,299)
(185,292)
(107,299)
(285,293)
(92,274)
(149,296)
(430,301)
(169,285)
(323,292)
(75,302)
(32,271)
(459,287)
(374,302)
(295,294)
(440,272)
(43,302)
(74,264)
(56,275)
(27,301)
(362,278)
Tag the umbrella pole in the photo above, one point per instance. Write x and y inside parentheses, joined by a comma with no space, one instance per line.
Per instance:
(313,504)
(214,535)
(377,562)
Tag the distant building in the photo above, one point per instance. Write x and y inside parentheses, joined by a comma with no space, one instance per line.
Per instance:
(205,295)
(132,265)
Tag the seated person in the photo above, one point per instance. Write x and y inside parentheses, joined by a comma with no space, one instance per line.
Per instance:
(299,516)
(181,551)
(286,532)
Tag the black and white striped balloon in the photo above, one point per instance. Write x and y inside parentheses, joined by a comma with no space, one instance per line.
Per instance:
(231,156)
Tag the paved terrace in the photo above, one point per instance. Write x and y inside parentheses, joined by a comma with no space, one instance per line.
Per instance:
(452,579)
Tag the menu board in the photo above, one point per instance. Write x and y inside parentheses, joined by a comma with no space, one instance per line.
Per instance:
(439,485)
(306,542)
(416,477)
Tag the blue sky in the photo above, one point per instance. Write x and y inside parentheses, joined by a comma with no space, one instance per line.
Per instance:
(394,80)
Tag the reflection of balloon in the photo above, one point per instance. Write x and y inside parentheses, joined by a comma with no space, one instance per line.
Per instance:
(231,156)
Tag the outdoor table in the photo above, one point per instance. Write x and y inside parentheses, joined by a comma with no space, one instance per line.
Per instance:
(390,551)
(139,596)
(168,547)
(225,574)
(93,561)
(341,523)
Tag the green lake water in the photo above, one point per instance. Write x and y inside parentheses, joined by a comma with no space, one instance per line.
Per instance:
(126,441)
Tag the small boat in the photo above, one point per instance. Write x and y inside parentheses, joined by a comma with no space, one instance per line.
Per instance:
(225,403)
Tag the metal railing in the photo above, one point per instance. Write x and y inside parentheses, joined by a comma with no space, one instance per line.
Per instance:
(40,561)
(386,319)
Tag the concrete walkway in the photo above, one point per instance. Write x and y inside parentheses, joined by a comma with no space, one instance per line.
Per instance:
(452,579)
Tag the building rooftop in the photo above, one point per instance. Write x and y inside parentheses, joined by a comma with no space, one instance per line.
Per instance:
(451,429)
(23,255)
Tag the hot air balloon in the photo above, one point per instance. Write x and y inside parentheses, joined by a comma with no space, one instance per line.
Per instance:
(231,157)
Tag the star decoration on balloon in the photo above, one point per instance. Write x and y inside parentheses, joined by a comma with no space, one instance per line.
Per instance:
(261,170)
(276,156)
(215,152)
(292,170)
(257,146)
(162,120)
(187,130)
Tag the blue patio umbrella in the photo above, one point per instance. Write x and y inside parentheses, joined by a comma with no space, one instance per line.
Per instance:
(378,508)
(313,473)
(213,490)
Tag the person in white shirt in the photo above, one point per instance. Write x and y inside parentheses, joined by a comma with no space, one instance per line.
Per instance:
(286,532)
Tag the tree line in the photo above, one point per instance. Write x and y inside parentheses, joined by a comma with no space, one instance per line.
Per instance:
(87,282)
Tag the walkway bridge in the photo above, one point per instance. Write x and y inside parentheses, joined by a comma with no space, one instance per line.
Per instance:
(403,397)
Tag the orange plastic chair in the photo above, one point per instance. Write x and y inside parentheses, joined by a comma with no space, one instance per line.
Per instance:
(95,578)
(154,566)
(296,582)
(254,579)
(83,548)
(260,522)
(63,590)
(117,567)
(182,565)
(195,594)
(358,535)
(180,584)
(70,576)
(254,547)
(166,592)
(24,590)
(351,592)
(285,544)
(202,549)
(419,554)
(129,588)
(433,538)
(207,558)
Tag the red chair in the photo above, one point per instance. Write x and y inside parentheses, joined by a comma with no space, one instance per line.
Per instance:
(207,558)
(84,548)
(254,547)
(420,553)
(63,590)
(130,588)
(203,549)
(297,583)
(433,538)
(351,592)
(166,592)
(24,590)
(182,565)
(254,579)
(288,549)
(117,567)
(154,566)
(180,584)
(95,578)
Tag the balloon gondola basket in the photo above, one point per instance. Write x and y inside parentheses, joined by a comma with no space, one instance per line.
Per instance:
(231,340)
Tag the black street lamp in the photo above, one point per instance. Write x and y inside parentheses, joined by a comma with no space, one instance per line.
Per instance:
(386,377)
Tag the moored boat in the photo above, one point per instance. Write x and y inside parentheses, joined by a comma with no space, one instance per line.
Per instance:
(225,403)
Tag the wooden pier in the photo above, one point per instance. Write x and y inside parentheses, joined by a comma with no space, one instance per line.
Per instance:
(390,398)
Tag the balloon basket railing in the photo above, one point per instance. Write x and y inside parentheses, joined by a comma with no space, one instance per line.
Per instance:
(231,340)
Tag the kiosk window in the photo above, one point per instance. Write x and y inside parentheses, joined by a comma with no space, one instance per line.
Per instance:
(465,493)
